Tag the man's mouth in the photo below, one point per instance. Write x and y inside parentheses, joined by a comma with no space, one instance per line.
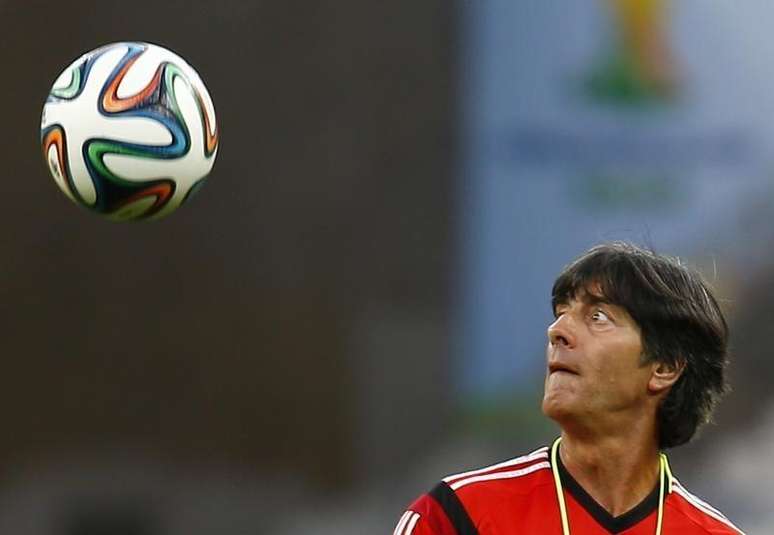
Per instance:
(560,367)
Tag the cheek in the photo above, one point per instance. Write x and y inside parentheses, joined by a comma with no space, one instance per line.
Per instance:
(617,371)
(626,383)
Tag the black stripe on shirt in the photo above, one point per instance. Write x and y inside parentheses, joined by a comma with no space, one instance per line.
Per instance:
(454,509)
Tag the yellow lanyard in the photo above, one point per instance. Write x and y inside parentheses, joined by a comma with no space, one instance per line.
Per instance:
(663,471)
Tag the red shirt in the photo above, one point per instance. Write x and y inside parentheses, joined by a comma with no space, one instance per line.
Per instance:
(519,497)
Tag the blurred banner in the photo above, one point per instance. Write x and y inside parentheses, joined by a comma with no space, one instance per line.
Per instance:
(645,120)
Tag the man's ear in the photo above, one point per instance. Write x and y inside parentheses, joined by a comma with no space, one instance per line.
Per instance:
(664,375)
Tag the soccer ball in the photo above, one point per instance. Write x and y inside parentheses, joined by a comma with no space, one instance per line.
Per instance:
(128,131)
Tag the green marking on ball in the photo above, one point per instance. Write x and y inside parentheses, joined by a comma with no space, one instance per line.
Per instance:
(71,90)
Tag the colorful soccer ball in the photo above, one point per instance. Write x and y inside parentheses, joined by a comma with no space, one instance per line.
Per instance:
(128,131)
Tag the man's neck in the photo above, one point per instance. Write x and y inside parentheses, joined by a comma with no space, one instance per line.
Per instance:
(617,471)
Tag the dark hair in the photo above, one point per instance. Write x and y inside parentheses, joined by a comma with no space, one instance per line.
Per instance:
(680,321)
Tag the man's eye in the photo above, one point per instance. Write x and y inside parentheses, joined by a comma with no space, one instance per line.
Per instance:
(599,315)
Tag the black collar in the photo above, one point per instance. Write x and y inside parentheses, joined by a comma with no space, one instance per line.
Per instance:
(613,524)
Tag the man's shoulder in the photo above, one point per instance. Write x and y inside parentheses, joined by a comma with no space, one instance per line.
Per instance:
(517,475)
(699,513)
(459,501)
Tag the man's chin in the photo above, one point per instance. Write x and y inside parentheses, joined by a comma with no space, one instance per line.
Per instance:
(556,409)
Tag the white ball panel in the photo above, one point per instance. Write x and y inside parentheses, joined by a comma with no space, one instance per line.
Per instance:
(208,106)
(65,79)
(184,171)
(141,73)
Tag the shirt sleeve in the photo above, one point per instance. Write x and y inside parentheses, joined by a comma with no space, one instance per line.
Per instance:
(425,517)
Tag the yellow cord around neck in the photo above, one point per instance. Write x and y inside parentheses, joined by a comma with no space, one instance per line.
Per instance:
(663,473)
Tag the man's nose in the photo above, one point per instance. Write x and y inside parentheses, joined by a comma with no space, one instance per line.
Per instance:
(560,332)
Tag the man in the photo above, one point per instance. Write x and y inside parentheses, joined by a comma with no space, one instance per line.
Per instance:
(635,364)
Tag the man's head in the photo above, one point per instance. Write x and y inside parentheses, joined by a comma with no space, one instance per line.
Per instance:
(635,334)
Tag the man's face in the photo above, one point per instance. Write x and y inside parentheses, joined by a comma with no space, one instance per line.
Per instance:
(593,362)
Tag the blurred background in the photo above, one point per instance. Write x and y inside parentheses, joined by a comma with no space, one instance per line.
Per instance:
(355,304)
